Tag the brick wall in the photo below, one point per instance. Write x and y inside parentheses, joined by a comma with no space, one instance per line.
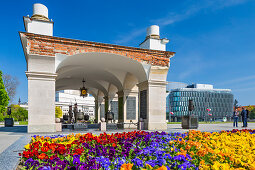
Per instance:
(49,46)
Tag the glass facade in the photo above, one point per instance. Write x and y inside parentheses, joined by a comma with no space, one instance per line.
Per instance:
(219,101)
(170,86)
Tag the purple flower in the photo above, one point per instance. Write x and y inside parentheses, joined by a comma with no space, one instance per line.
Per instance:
(76,159)
(167,156)
(179,158)
(137,162)
(45,168)
(151,163)
(188,156)
(182,166)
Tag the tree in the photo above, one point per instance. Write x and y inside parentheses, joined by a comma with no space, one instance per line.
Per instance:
(58,112)
(4,98)
(252,114)
(250,108)
(10,84)
(19,113)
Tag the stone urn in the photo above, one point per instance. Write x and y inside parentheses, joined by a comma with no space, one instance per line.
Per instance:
(80,116)
(57,120)
(65,117)
(86,117)
(110,115)
(102,119)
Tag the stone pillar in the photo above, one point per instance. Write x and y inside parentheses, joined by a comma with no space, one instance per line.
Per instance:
(120,107)
(152,95)
(106,106)
(96,111)
(157,105)
(41,102)
(100,103)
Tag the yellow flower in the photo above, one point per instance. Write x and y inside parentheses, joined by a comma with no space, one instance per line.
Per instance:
(27,146)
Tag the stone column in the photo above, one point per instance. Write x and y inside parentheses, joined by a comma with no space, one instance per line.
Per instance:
(157,105)
(41,102)
(152,94)
(41,93)
(120,107)
(99,103)
(96,111)
(106,106)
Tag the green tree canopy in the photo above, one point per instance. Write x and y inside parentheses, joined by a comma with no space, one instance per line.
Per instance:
(19,113)
(4,99)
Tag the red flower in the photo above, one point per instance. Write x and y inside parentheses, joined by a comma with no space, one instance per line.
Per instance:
(46,144)
(78,151)
(35,153)
(44,149)
(52,147)
(61,150)
(68,146)
(27,154)
(52,157)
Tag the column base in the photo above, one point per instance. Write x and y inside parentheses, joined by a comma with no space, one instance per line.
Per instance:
(45,128)
(155,126)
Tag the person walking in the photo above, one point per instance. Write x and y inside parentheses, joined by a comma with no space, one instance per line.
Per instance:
(244,117)
(235,117)
(248,113)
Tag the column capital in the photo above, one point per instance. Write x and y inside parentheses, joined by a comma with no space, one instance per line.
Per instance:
(145,84)
(41,76)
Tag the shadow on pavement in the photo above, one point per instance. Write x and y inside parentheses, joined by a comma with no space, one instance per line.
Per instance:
(15,129)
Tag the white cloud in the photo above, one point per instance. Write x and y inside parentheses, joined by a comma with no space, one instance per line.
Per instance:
(132,35)
(238,80)
(180,16)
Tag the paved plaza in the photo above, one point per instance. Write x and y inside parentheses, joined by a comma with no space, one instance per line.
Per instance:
(13,139)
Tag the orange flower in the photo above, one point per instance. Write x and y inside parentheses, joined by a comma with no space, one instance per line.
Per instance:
(127,166)
(162,168)
(43,156)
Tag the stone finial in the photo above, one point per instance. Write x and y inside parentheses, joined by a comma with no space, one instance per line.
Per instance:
(40,12)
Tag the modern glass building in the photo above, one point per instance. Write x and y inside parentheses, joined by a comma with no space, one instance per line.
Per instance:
(208,103)
(169,87)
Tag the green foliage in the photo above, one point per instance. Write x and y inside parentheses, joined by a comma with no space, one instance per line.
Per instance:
(58,112)
(19,113)
(4,99)
(23,123)
(2,117)
(252,114)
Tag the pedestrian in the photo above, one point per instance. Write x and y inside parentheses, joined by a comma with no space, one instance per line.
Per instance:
(244,117)
(235,117)
(248,113)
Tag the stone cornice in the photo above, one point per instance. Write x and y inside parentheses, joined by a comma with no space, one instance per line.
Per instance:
(49,46)
(41,75)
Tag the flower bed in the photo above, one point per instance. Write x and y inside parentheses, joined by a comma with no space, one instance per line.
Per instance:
(142,150)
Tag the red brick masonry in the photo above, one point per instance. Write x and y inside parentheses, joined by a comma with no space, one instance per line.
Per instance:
(49,46)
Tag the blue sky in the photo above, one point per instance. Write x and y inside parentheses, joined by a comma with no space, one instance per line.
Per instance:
(214,40)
